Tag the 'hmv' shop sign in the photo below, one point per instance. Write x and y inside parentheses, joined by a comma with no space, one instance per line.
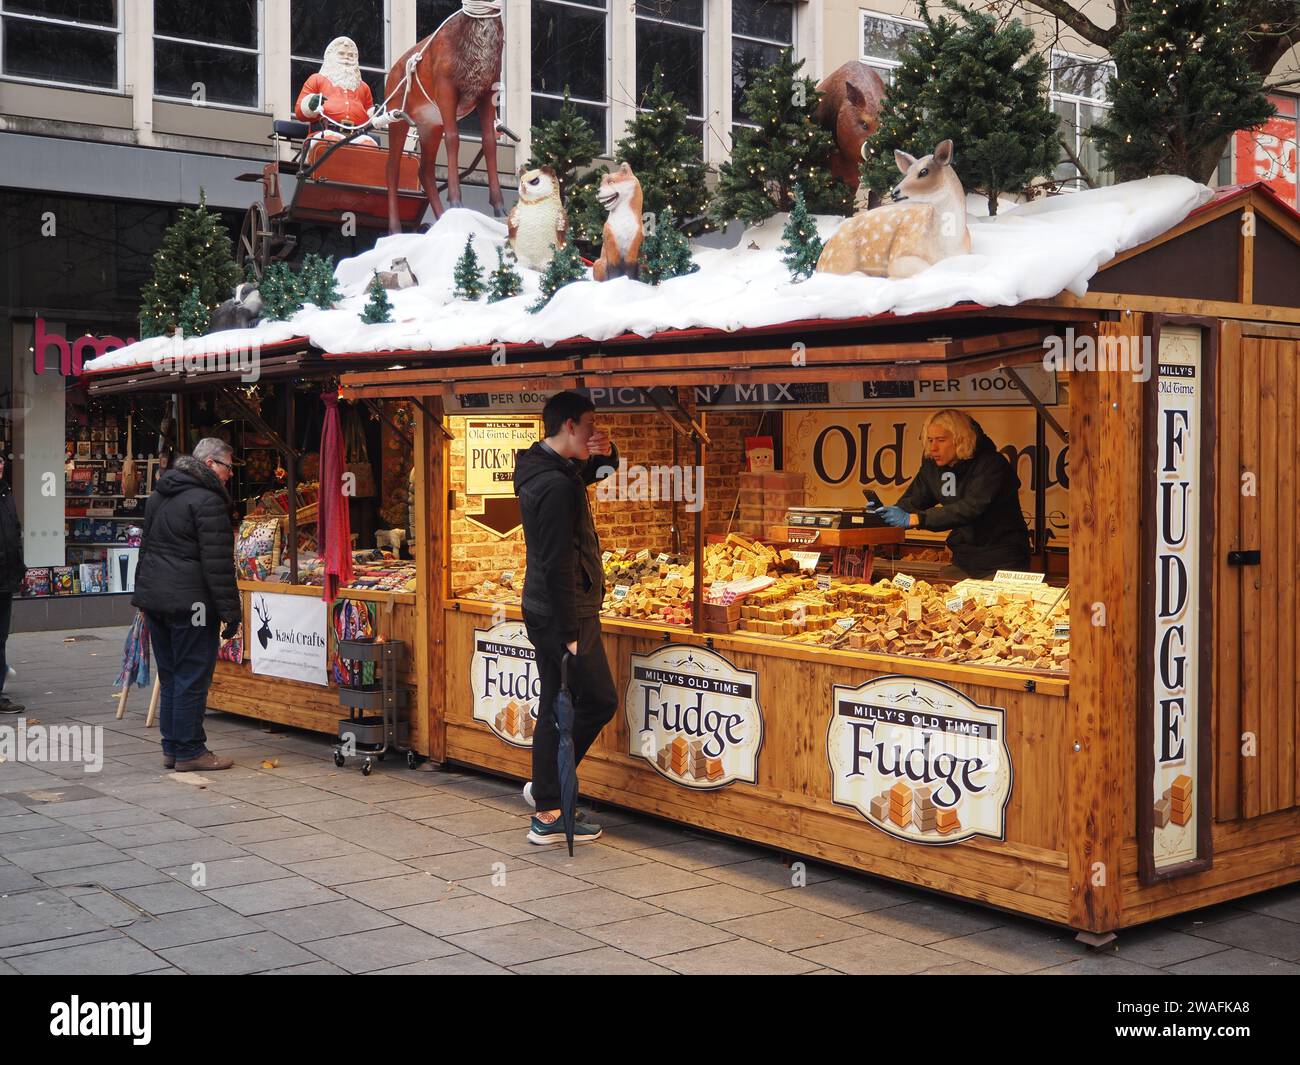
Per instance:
(505,682)
(1177,511)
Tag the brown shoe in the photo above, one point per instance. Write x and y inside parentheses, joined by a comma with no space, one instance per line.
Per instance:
(204,763)
(169,762)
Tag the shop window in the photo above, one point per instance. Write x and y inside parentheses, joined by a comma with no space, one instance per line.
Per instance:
(883,38)
(212,47)
(760,31)
(670,34)
(571,54)
(314,23)
(1078,95)
(64,42)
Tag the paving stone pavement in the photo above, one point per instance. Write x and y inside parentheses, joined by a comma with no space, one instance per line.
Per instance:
(306,868)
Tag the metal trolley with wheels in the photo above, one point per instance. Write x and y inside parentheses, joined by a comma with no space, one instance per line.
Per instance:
(375,723)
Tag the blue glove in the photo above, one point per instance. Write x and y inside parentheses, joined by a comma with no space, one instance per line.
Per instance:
(895,516)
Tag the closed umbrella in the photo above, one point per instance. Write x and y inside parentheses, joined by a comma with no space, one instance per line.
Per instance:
(333,529)
(135,655)
(566,763)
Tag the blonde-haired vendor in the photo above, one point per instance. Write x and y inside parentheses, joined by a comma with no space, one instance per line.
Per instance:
(965,484)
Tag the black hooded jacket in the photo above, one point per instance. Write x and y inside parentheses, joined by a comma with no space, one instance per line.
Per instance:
(12,566)
(565,578)
(983,510)
(187,553)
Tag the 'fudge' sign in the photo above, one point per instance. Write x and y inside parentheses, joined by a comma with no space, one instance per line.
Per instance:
(503,676)
(920,760)
(694,716)
(1178,508)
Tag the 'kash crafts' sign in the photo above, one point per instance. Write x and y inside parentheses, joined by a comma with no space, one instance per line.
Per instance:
(694,716)
(920,760)
(505,682)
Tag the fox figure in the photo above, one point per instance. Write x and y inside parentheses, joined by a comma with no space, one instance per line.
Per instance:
(922,221)
(620,254)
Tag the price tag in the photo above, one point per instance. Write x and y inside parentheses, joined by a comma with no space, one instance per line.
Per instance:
(642,555)
(913,608)
(1061,630)
(507,576)
(1015,576)
(955,603)
(663,557)
(605,557)
(621,590)
(824,582)
(808,560)
(903,581)
(844,624)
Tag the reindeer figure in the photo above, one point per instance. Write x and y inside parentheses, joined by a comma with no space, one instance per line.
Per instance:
(923,221)
(263,633)
(453,71)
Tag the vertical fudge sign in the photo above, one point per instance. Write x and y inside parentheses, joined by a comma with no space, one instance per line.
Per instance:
(1175,687)
(920,760)
(290,638)
(504,679)
(694,716)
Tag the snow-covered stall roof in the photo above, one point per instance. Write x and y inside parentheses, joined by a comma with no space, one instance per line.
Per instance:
(1034,251)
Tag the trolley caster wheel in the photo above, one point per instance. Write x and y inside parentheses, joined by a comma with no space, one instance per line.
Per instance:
(339,759)
(411,760)
(366,768)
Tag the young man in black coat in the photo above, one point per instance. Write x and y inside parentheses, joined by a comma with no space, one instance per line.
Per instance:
(185,584)
(965,484)
(564,587)
(12,571)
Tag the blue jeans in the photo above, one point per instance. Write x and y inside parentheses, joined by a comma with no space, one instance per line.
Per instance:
(185,655)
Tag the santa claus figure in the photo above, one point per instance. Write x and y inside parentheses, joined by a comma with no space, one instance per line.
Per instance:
(336,99)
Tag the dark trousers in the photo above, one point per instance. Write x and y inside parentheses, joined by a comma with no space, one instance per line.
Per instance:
(6,618)
(185,655)
(594,699)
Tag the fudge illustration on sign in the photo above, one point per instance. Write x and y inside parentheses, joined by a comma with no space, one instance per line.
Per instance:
(504,680)
(620,255)
(850,109)
(537,223)
(516,719)
(922,222)
(1175,803)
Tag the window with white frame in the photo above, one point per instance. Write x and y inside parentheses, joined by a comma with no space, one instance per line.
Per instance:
(64,42)
(314,23)
(760,31)
(1078,95)
(670,34)
(571,54)
(208,51)
(882,39)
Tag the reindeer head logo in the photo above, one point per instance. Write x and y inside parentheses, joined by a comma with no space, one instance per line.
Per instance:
(264,616)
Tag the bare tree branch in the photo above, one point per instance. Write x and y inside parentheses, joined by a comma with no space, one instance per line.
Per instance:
(1077,163)
(1078,21)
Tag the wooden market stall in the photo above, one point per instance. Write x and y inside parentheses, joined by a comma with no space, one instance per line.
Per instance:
(382,596)
(1149,769)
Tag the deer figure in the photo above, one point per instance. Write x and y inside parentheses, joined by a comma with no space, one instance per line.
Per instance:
(434,84)
(264,632)
(922,221)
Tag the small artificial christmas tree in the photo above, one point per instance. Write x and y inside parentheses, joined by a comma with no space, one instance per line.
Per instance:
(980,84)
(377,309)
(281,292)
(665,252)
(564,268)
(800,245)
(318,285)
(196,252)
(568,145)
(505,281)
(665,156)
(1184,83)
(468,274)
(788,147)
(194,316)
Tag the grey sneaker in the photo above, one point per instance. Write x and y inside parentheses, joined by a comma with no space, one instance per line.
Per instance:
(544,835)
(7,707)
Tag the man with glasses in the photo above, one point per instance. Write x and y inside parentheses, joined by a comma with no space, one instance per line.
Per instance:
(185,585)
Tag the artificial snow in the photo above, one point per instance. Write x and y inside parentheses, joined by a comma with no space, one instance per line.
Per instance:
(1033,251)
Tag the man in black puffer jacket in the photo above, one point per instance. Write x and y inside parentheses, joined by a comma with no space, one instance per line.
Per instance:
(185,584)
(564,587)
(966,485)
(12,571)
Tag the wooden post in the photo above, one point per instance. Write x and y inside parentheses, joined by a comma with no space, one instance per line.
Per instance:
(432,555)
(1105,463)
(291,482)
(697,614)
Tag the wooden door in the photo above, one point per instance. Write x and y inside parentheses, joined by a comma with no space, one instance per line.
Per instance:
(1257,699)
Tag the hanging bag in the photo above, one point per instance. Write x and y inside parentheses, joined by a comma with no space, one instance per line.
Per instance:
(358,457)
